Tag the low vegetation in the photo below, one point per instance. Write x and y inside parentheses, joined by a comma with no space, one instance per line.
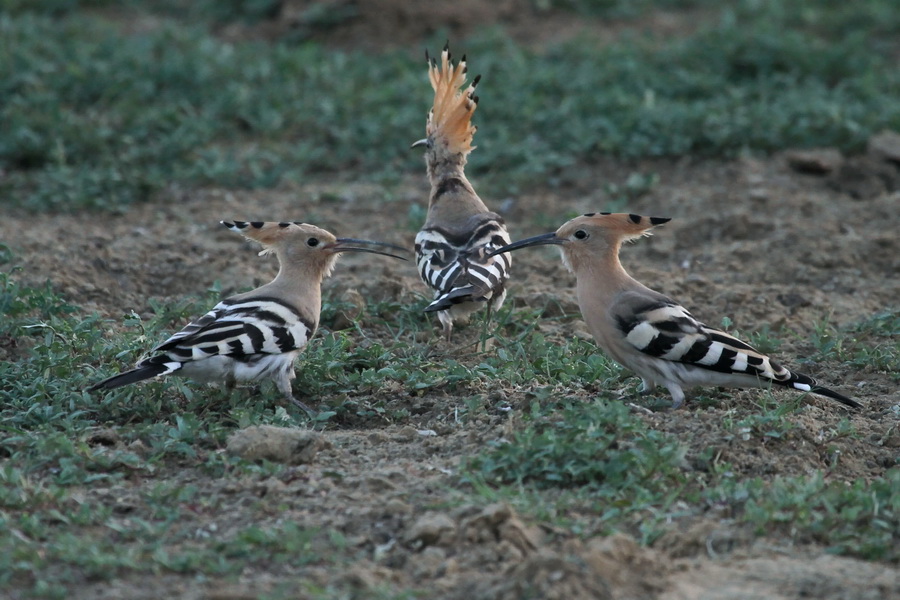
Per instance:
(90,123)
(564,456)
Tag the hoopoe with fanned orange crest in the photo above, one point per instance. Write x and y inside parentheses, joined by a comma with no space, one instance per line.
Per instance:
(453,249)
(258,334)
(648,332)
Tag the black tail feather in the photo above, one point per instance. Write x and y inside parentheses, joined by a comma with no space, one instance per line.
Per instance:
(129,377)
(835,396)
(457,296)
(799,381)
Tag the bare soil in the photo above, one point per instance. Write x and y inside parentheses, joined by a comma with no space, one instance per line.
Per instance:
(754,239)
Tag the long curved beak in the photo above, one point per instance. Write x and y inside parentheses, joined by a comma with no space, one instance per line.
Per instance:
(538,240)
(339,246)
(423,142)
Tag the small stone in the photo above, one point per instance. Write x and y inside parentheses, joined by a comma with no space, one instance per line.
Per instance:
(759,194)
(396,506)
(583,335)
(818,161)
(376,438)
(406,435)
(792,300)
(429,530)
(104,437)
(138,447)
(379,483)
(277,444)
(355,305)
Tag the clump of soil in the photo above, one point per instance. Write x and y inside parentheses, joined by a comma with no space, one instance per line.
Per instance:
(277,444)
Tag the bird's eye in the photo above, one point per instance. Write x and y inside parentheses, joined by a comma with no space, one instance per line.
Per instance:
(581,234)
(312,242)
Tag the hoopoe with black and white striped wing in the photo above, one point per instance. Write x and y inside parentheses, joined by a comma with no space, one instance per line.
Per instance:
(258,334)
(453,249)
(648,332)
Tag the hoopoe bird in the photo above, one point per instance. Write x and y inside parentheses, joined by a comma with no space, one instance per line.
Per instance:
(648,332)
(256,335)
(453,249)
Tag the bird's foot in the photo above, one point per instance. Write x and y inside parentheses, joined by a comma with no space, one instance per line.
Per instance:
(639,408)
(302,406)
(645,402)
(487,344)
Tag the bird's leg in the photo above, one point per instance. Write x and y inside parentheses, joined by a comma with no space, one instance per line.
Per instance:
(677,394)
(647,388)
(447,323)
(284,386)
(639,408)
(485,336)
(309,411)
(230,384)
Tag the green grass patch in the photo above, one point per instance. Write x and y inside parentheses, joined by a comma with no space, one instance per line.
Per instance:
(597,444)
(96,118)
(590,466)
(595,467)
(55,453)
(861,518)
(48,549)
(870,345)
(597,456)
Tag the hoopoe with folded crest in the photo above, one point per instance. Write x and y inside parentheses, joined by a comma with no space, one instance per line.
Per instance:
(258,334)
(453,249)
(648,332)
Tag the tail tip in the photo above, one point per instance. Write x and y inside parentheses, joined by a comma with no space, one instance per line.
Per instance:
(828,393)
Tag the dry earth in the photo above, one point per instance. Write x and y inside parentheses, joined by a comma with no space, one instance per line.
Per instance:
(752,239)
(763,241)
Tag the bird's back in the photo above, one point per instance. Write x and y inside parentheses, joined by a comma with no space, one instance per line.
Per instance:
(456,262)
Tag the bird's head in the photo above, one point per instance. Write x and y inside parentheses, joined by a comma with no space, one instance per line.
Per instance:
(304,245)
(591,236)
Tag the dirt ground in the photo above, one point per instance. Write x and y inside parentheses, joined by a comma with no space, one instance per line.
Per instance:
(763,241)
(752,239)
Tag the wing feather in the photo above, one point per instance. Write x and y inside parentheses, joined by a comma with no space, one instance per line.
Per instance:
(458,267)
(665,330)
(239,329)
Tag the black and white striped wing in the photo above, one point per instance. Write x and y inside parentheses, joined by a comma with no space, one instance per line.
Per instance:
(667,331)
(239,328)
(463,272)
(437,259)
(661,329)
